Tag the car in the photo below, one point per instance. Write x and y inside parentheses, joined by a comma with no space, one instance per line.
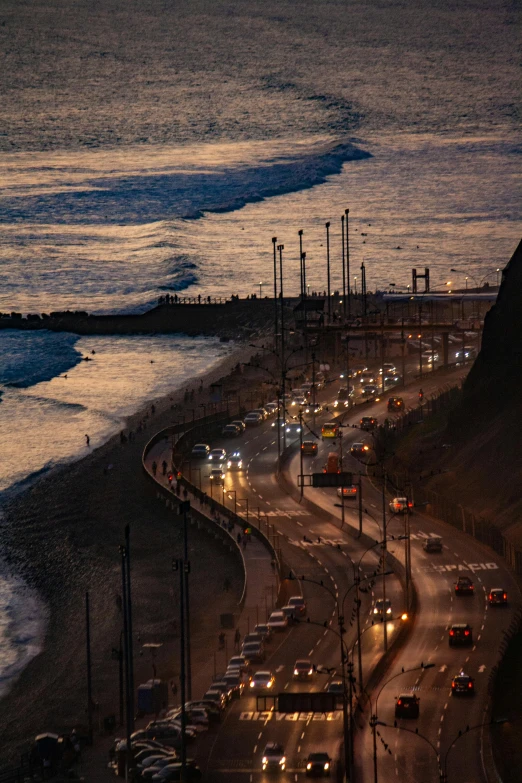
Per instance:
(196,716)
(315,408)
(217,476)
(261,681)
(347,492)
(167,735)
(467,353)
(337,688)
(407,706)
(279,422)
(369,390)
(290,613)
(278,621)
(464,586)
(240,424)
(463,685)
(235,462)
(253,637)
(216,696)
(358,369)
(234,680)
(497,597)
(211,708)
(388,368)
(293,428)
(217,455)
(238,662)
(223,687)
(299,401)
(391,380)
(264,632)
(253,419)
(254,652)
(200,451)
(271,408)
(309,448)
(400,505)
(298,603)
(368,423)
(359,449)
(368,377)
(273,757)
(303,669)
(318,764)
(152,769)
(430,358)
(433,544)
(382,608)
(460,634)
(343,397)
(231,431)
(262,411)
(330,429)
(172,772)
(148,756)
(395,404)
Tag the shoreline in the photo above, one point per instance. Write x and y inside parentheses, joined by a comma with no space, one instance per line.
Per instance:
(61,536)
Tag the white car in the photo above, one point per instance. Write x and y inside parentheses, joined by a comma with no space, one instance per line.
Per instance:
(217,455)
(200,451)
(278,621)
(253,419)
(262,681)
(235,462)
(382,609)
(400,505)
(299,604)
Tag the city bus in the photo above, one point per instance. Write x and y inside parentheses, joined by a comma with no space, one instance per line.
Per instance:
(330,430)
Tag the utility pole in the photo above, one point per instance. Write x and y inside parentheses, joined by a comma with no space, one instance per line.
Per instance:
(182,566)
(341,466)
(128,717)
(281,248)
(274,240)
(300,232)
(359,492)
(344,269)
(384,558)
(129,627)
(327,224)
(346,213)
(301,449)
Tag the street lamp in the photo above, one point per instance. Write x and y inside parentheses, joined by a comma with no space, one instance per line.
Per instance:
(260,289)
(355,284)
(444,774)
(327,224)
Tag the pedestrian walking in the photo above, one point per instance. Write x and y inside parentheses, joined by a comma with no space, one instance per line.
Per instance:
(154,467)
(87,440)
(164,466)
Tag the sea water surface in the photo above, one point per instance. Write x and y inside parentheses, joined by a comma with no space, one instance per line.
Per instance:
(152,148)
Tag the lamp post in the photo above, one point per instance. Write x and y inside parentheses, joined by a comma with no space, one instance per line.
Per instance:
(346,213)
(280,249)
(260,289)
(274,240)
(355,284)
(327,224)
(344,268)
(444,774)
(374,721)
(302,282)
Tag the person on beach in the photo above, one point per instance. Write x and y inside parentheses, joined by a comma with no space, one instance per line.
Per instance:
(87,440)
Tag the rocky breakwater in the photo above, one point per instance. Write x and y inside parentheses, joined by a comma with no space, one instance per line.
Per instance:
(231,319)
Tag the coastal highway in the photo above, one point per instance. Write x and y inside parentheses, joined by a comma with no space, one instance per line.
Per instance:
(441,716)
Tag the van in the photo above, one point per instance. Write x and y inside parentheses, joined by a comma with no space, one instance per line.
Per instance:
(332,463)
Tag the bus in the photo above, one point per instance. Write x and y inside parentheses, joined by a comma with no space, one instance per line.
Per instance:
(330,430)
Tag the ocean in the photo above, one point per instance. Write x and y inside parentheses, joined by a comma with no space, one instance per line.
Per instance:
(155,147)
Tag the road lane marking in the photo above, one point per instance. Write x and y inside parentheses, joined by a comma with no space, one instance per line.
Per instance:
(255,749)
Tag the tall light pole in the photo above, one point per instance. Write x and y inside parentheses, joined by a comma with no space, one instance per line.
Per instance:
(280,249)
(384,558)
(327,224)
(274,240)
(346,213)
(260,289)
(300,232)
(344,269)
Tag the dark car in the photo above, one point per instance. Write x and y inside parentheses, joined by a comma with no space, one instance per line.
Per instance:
(231,431)
(395,404)
(463,685)
(460,634)
(359,449)
(318,764)
(309,447)
(368,423)
(407,706)
(497,597)
(464,586)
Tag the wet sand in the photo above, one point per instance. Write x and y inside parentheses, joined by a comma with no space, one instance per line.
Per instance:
(63,536)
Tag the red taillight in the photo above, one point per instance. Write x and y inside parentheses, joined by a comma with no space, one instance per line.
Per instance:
(399,702)
(410,505)
(466,633)
(505,596)
(452,633)
(470,685)
(453,685)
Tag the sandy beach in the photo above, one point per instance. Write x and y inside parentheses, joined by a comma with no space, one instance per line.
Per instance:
(63,536)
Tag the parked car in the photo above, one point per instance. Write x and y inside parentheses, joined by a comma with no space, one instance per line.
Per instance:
(299,604)
(200,451)
(265,631)
(278,621)
(253,652)
(253,419)
(231,431)
(240,424)
(239,662)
